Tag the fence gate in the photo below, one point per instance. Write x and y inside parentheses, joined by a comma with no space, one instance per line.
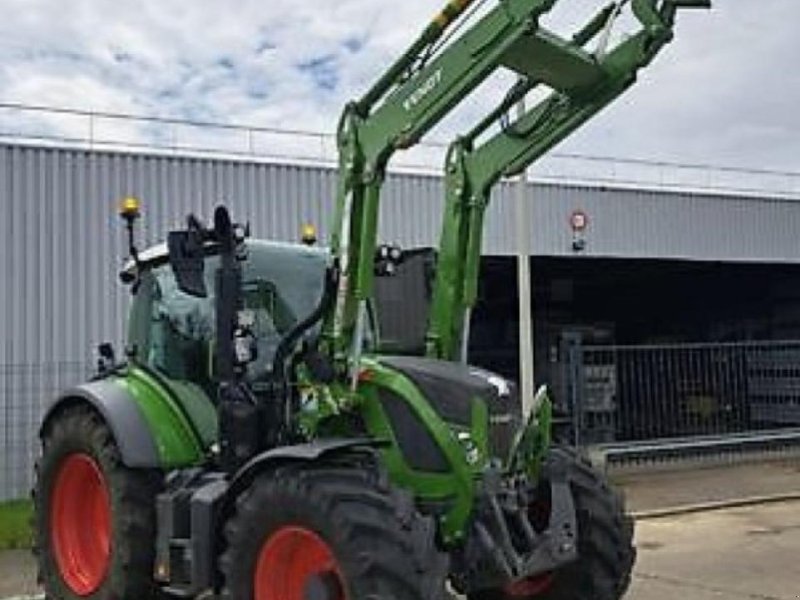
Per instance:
(683,396)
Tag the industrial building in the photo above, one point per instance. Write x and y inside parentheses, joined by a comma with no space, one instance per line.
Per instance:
(614,267)
(695,266)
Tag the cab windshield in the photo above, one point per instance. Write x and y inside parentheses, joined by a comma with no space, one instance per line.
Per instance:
(282,284)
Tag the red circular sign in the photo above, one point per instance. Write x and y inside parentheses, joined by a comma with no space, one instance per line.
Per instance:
(578,220)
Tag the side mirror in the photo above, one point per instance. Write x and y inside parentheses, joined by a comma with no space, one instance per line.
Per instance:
(187,259)
(106,360)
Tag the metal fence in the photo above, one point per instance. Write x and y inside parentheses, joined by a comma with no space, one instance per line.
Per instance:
(683,395)
(25,392)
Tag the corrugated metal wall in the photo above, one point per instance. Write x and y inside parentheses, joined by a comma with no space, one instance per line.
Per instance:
(649,224)
(62,244)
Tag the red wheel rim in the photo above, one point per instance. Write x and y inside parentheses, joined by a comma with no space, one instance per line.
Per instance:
(80,523)
(529,588)
(292,561)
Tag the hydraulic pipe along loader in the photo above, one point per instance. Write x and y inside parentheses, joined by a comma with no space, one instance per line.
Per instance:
(256,441)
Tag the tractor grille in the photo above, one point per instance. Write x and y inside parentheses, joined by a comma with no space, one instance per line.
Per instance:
(419,448)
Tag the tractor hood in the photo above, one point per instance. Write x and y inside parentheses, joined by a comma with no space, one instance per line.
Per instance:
(452,388)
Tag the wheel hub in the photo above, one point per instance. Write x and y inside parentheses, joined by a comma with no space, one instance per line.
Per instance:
(530,587)
(80,523)
(297,564)
(323,586)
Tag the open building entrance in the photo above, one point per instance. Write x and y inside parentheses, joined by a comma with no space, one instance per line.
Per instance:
(633,349)
(650,349)
(629,302)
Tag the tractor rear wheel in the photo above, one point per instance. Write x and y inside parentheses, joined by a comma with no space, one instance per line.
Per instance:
(94,518)
(330,532)
(605,543)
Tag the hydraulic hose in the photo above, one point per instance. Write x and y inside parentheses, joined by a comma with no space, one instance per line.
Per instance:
(290,340)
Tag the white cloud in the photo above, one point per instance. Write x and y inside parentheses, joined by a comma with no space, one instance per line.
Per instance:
(726,91)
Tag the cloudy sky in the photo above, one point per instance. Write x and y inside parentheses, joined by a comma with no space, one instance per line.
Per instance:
(726,92)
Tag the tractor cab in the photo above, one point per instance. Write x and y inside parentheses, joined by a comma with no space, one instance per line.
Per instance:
(174,332)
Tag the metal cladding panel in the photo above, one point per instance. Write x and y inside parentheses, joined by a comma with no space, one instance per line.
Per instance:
(501,220)
(648,224)
(63,243)
(411,210)
(5,258)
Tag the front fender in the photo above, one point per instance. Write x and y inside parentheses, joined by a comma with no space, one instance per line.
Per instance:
(301,453)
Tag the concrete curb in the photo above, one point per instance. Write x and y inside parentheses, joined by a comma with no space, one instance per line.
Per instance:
(688,509)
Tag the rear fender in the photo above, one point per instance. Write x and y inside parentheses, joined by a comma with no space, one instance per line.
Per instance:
(148,429)
(120,412)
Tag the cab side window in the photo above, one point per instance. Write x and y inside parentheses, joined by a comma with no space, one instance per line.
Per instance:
(174,333)
(273,319)
(181,330)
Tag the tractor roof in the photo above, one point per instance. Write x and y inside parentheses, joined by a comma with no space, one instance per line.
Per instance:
(159,253)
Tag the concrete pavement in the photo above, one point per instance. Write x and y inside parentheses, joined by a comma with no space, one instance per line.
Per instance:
(651,489)
(740,554)
(17,573)
(748,553)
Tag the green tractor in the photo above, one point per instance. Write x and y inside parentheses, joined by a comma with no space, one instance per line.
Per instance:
(258,441)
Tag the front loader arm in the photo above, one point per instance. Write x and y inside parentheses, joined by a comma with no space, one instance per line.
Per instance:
(423,86)
(578,94)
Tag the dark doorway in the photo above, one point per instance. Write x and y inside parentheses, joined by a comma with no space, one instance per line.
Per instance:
(624,301)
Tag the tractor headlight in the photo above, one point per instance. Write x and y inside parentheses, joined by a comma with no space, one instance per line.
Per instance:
(471,451)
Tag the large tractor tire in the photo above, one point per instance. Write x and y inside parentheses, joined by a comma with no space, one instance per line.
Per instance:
(94,518)
(605,543)
(330,532)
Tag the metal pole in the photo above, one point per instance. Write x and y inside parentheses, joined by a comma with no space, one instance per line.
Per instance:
(524,287)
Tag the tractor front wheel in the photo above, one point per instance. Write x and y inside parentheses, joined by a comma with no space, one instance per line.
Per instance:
(605,543)
(94,518)
(330,532)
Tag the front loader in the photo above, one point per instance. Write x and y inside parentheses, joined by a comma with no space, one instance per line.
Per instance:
(258,442)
